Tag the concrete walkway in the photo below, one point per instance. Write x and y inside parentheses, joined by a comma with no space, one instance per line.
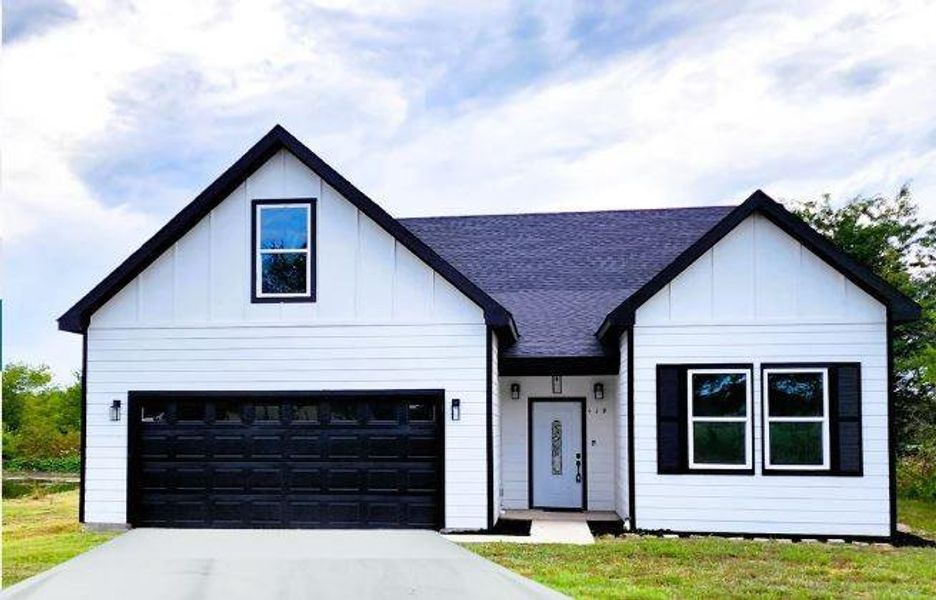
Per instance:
(164,564)
(542,531)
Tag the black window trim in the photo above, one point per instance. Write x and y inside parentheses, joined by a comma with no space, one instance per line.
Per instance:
(684,369)
(833,470)
(313,250)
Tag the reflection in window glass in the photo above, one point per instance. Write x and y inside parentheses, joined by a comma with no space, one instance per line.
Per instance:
(284,273)
(266,411)
(795,394)
(284,227)
(796,443)
(346,412)
(153,411)
(190,410)
(719,419)
(422,410)
(719,394)
(384,410)
(797,428)
(718,443)
(227,411)
(305,411)
(283,253)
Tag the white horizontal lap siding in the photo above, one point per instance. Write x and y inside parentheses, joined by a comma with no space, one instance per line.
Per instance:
(600,451)
(760,297)
(382,320)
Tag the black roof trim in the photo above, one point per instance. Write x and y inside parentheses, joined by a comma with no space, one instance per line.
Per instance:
(516,366)
(76,319)
(902,308)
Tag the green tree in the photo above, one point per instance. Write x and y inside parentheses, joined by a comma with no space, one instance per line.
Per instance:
(888,234)
(20,383)
(41,420)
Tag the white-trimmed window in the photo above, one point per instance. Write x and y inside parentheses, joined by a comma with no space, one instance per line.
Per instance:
(283,259)
(720,424)
(796,433)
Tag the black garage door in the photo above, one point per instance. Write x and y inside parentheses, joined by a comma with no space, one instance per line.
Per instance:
(292,460)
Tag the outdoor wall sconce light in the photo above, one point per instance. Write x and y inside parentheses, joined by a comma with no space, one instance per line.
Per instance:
(515,391)
(456,409)
(599,391)
(115,410)
(557,384)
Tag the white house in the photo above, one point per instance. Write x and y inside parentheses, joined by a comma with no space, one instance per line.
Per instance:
(284,353)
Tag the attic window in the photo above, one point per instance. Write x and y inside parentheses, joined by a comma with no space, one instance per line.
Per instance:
(283,250)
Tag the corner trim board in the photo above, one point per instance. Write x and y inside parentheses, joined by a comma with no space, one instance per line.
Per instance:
(631,464)
(84,427)
(891,427)
(489,427)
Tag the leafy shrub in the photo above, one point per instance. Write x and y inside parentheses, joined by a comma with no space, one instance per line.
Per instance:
(916,473)
(63,464)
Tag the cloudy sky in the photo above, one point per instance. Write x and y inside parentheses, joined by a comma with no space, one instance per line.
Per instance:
(115,114)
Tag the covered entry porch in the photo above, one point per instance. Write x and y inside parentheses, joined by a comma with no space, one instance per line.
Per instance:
(562,448)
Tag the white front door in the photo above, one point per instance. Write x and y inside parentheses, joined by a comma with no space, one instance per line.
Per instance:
(558,465)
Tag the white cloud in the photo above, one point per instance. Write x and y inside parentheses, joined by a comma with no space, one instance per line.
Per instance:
(116,118)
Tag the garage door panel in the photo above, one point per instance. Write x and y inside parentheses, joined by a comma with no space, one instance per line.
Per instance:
(343,446)
(305,479)
(229,445)
(387,447)
(299,446)
(319,462)
(190,445)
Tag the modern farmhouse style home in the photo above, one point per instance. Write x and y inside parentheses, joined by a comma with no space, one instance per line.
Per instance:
(284,353)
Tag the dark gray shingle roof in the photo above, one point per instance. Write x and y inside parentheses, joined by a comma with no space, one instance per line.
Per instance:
(560,274)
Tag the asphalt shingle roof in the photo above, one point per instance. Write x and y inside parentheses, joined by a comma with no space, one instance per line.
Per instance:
(560,274)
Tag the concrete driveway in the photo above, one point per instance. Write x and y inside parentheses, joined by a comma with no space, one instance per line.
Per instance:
(164,564)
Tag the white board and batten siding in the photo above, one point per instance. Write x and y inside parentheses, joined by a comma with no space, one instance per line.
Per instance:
(758,296)
(600,437)
(382,320)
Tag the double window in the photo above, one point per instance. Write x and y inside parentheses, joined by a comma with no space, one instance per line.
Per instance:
(808,414)
(283,250)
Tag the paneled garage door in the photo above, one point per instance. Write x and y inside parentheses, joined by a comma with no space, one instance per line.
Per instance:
(289,460)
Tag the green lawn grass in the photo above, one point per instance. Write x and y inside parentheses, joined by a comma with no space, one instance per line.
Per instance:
(919,515)
(40,531)
(651,567)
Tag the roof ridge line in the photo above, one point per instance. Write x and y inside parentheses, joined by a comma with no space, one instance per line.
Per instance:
(571,212)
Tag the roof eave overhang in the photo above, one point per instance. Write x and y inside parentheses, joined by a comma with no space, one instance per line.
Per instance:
(519,366)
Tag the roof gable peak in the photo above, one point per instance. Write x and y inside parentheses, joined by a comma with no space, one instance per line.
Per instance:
(77,318)
(900,307)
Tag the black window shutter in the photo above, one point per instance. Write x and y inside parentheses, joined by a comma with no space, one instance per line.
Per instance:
(671,419)
(845,426)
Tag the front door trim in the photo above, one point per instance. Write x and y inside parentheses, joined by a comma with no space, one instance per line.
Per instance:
(530,403)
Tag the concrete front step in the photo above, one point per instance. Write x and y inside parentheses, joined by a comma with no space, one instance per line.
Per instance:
(541,532)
